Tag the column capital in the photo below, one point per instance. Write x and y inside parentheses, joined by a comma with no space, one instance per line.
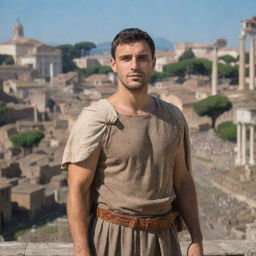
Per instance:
(242,35)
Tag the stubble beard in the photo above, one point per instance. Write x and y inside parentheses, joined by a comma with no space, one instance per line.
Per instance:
(135,88)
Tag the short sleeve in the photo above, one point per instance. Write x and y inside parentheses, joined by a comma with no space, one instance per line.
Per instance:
(88,132)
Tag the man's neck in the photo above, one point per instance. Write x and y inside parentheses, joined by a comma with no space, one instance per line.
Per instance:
(132,102)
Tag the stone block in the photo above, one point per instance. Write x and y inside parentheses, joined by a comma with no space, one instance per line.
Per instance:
(12,249)
(49,249)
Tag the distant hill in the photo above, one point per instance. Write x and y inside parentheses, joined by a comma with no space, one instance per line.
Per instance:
(104,47)
(161,44)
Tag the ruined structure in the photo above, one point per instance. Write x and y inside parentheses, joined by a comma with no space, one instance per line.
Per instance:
(32,198)
(246,120)
(249,28)
(5,205)
(246,109)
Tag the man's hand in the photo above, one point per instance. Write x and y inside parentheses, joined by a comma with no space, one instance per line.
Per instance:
(195,249)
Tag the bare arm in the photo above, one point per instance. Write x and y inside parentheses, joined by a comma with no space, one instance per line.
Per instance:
(80,177)
(187,201)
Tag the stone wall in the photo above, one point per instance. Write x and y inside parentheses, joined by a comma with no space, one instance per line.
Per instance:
(211,248)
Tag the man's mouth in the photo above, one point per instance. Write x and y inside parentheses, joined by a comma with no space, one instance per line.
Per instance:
(135,75)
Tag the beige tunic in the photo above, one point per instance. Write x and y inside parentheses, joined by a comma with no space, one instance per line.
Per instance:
(134,175)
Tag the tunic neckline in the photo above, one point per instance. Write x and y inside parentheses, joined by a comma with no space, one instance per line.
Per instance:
(149,114)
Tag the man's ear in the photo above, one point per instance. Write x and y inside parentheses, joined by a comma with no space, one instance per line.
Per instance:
(113,64)
(154,63)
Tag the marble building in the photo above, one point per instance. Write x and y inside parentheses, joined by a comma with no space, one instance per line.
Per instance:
(45,59)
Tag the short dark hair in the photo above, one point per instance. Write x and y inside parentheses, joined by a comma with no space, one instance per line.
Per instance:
(130,35)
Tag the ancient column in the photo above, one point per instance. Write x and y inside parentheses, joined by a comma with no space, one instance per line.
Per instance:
(251,160)
(43,116)
(252,61)
(35,115)
(238,144)
(242,61)
(214,71)
(243,144)
(51,73)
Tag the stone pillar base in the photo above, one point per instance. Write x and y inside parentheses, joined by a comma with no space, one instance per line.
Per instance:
(238,162)
(251,163)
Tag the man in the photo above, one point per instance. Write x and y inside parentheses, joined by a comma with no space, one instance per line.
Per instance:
(130,153)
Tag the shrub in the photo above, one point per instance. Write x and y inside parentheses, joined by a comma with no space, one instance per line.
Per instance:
(227,131)
(3,107)
(27,139)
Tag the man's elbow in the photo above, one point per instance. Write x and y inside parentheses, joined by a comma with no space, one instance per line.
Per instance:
(183,182)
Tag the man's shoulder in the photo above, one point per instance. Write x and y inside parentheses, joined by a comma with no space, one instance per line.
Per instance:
(169,108)
(101,110)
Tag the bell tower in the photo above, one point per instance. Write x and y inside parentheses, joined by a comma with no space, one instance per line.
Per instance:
(18,31)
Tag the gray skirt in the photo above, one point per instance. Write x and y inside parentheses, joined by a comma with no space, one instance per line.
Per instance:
(108,239)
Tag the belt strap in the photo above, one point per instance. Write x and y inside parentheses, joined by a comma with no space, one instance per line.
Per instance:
(154,223)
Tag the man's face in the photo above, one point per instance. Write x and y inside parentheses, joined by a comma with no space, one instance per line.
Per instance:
(133,63)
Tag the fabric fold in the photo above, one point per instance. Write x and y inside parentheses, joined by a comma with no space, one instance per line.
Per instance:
(88,131)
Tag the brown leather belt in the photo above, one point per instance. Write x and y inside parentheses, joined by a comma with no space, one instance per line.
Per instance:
(155,223)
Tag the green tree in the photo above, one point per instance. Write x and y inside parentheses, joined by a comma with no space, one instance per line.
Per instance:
(104,69)
(213,107)
(3,107)
(68,52)
(174,69)
(227,71)
(96,69)
(6,59)
(228,59)
(187,67)
(27,139)
(84,48)
(227,131)
(67,49)
(155,76)
(187,54)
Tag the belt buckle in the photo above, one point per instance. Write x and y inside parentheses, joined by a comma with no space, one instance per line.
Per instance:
(134,222)
(149,221)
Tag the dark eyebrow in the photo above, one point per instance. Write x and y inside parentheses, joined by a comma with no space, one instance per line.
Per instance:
(143,55)
(125,56)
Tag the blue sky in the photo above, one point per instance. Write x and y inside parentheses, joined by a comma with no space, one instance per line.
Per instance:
(72,21)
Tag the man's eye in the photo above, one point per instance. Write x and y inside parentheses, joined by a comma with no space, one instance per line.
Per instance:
(143,57)
(125,58)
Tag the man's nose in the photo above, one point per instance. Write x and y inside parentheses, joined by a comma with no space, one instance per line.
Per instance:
(134,63)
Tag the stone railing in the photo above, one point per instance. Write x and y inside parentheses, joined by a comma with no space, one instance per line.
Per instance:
(211,248)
